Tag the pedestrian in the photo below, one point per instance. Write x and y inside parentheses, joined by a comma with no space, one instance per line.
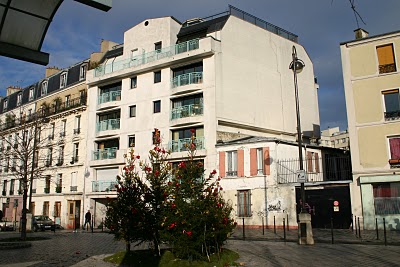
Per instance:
(88,219)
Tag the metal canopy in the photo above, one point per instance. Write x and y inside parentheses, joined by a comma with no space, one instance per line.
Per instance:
(24,24)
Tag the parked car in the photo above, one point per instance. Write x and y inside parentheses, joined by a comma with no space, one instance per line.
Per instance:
(42,222)
(6,226)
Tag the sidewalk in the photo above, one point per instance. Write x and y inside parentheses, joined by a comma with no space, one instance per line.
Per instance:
(340,236)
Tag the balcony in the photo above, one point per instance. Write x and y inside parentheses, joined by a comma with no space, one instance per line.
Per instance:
(60,162)
(181,145)
(323,169)
(3,193)
(186,79)
(152,56)
(231,173)
(33,190)
(62,134)
(392,115)
(73,188)
(11,192)
(107,125)
(46,190)
(58,189)
(103,186)
(77,131)
(74,159)
(110,96)
(187,111)
(106,153)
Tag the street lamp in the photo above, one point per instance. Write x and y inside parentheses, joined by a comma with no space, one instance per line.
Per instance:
(305,229)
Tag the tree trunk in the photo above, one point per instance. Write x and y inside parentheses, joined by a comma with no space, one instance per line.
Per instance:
(23,219)
(128,246)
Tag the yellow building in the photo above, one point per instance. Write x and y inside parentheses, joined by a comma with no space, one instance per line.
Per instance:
(372,81)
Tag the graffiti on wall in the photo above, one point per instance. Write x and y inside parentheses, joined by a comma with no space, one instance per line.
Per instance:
(275,206)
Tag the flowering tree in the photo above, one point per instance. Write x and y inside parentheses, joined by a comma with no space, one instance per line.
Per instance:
(197,219)
(135,214)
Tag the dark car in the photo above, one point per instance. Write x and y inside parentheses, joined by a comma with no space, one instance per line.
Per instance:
(42,222)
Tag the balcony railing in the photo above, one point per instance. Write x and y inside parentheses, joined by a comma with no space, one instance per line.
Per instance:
(73,188)
(11,192)
(187,111)
(392,115)
(58,189)
(3,193)
(110,96)
(103,186)
(112,124)
(147,57)
(183,144)
(47,190)
(186,79)
(106,153)
(387,68)
(323,169)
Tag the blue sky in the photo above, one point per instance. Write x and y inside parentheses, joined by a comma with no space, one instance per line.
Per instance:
(321,25)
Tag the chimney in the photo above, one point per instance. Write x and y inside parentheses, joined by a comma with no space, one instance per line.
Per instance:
(51,71)
(12,89)
(360,33)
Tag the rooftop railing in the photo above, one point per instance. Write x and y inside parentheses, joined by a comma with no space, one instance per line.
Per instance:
(186,111)
(147,57)
(183,144)
(106,153)
(111,124)
(186,79)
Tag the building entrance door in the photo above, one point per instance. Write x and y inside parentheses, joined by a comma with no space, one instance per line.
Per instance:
(74,214)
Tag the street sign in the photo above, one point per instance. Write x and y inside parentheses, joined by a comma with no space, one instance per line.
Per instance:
(335,203)
(301,176)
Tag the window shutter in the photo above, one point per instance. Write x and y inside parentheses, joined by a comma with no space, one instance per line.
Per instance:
(253,161)
(309,162)
(316,162)
(267,161)
(222,164)
(240,169)
(385,54)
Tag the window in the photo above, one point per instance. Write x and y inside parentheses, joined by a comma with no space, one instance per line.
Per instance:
(157,106)
(12,185)
(49,159)
(76,152)
(343,140)
(4,187)
(63,129)
(77,125)
(31,93)
(244,203)
(232,163)
(131,140)
(392,104)
(157,47)
(57,209)
(47,184)
(63,80)
(260,161)
(67,100)
(157,76)
(5,104)
(156,136)
(132,111)
(387,198)
(74,187)
(19,99)
(46,208)
(59,183)
(394,146)
(82,72)
(44,88)
(386,58)
(133,82)
(52,129)
(60,160)
(34,182)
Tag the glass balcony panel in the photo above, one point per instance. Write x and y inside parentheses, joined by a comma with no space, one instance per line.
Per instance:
(152,56)
(103,186)
(109,96)
(112,124)
(187,111)
(186,79)
(181,145)
(106,153)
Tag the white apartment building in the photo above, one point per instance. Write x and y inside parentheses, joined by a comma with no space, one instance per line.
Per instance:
(225,77)
(59,101)
(333,137)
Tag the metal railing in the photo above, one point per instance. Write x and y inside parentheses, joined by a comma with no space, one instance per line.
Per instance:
(106,153)
(327,168)
(182,144)
(387,68)
(392,115)
(112,124)
(110,96)
(186,79)
(186,111)
(103,186)
(147,57)
(73,188)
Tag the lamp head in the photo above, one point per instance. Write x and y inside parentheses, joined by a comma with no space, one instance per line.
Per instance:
(297,64)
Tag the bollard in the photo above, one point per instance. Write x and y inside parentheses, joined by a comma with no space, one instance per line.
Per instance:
(92,224)
(376,227)
(332,229)
(287,221)
(274,226)
(262,223)
(284,230)
(244,234)
(355,223)
(359,228)
(384,231)
(75,222)
(102,224)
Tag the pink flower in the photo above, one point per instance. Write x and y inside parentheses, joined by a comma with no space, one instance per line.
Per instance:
(138,157)
(213,172)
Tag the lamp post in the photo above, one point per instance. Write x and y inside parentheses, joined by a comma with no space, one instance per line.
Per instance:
(305,229)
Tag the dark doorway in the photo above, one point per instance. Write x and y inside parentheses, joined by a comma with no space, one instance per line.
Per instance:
(320,204)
